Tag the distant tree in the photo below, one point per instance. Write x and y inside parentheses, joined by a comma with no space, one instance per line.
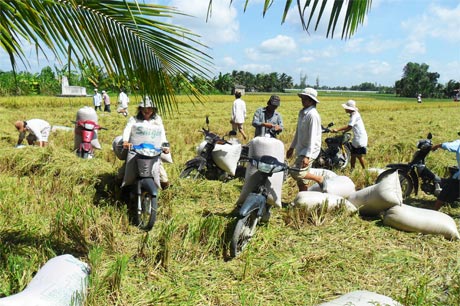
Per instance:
(303,80)
(48,83)
(417,79)
(223,83)
(452,87)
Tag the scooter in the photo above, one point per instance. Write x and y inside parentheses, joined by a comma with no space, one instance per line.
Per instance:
(87,129)
(144,192)
(204,164)
(336,154)
(416,173)
(255,208)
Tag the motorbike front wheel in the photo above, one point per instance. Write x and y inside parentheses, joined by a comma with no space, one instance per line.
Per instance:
(244,230)
(346,153)
(404,180)
(191,172)
(145,217)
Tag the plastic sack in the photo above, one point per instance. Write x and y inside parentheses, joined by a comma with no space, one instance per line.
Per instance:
(85,113)
(226,156)
(258,147)
(339,185)
(379,197)
(322,172)
(313,199)
(362,298)
(61,281)
(117,147)
(414,219)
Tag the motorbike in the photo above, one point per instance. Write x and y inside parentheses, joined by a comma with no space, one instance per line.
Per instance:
(87,130)
(143,200)
(255,208)
(204,164)
(336,154)
(415,174)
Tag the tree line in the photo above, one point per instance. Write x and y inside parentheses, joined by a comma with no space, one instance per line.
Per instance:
(416,79)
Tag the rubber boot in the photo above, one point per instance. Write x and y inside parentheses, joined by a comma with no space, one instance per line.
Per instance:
(164,185)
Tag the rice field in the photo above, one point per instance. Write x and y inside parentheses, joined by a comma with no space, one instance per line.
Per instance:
(52,203)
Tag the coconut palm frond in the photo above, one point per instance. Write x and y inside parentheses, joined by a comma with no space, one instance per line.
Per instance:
(131,40)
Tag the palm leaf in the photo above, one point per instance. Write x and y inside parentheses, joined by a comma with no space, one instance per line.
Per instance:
(131,40)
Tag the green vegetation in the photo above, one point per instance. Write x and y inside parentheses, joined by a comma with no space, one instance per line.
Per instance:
(52,202)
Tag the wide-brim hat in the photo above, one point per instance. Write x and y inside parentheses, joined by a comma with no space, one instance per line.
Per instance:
(309,92)
(350,105)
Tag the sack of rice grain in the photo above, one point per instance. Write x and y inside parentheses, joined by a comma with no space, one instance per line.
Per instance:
(374,199)
(258,147)
(362,298)
(226,156)
(339,185)
(414,219)
(313,199)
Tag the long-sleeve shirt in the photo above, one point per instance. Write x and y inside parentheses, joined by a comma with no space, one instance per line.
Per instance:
(97,99)
(307,139)
(453,146)
(238,111)
(260,118)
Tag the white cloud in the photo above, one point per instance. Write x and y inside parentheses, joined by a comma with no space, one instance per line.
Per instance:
(222,26)
(306,59)
(256,68)
(273,48)
(229,61)
(414,47)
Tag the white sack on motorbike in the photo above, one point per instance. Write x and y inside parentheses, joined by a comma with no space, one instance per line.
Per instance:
(258,147)
(338,185)
(131,170)
(61,281)
(85,113)
(379,197)
(426,221)
(117,147)
(314,199)
(361,298)
(226,156)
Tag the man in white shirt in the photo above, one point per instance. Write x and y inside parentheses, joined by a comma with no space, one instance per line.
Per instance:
(238,114)
(123,102)
(359,142)
(307,140)
(97,99)
(38,129)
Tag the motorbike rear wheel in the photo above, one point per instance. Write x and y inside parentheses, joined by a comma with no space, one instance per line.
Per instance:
(244,230)
(191,173)
(404,180)
(146,217)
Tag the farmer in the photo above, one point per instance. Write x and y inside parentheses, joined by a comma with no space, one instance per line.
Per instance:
(97,99)
(267,120)
(238,114)
(359,142)
(106,99)
(147,125)
(38,129)
(123,102)
(307,140)
(451,189)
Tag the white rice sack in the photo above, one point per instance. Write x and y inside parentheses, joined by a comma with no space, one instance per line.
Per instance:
(117,147)
(313,199)
(258,147)
(339,185)
(146,133)
(85,113)
(362,298)
(61,281)
(413,219)
(226,156)
(379,197)
(323,172)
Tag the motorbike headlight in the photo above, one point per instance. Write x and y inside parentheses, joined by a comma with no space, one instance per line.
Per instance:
(264,167)
(89,126)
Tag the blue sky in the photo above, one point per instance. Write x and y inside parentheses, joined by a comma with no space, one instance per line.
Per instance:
(395,32)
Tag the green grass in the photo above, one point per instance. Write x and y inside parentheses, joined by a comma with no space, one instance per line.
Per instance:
(52,202)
